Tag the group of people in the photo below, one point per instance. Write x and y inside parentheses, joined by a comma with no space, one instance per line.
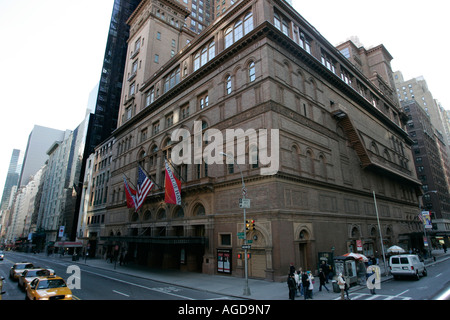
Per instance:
(301,283)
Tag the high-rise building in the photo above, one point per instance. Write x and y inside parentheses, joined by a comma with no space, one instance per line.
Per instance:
(39,140)
(12,179)
(259,66)
(110,87)
(431,163)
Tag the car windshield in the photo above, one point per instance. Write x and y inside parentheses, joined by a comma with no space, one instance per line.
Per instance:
(23,266)
(49,284)
(36,273)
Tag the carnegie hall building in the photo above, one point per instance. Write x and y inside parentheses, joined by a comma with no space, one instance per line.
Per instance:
(335,138)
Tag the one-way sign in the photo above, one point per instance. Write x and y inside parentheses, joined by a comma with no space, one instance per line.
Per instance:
(246,246)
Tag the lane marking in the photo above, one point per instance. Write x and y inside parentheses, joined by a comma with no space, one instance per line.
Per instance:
(140,286)
(118,292)
(401,293)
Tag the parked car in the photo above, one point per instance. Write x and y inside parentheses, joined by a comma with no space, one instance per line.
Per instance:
(407,265)
(18,268)
(48,288)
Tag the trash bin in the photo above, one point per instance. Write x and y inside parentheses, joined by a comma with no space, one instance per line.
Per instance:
(336,288)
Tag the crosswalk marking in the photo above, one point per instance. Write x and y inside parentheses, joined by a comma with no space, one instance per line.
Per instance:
(367,296)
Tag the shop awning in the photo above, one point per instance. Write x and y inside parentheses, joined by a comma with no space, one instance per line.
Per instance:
(68,244)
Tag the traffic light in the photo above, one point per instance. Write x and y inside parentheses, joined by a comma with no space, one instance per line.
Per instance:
(240,255)
(249,225)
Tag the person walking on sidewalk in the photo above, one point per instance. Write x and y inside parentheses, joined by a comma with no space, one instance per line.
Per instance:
(300,282)
(341,284)
(291,285)
(311,285)
(297,281)
(305,282)
(322,279)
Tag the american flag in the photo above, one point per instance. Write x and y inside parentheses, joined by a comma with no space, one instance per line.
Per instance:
(144,185)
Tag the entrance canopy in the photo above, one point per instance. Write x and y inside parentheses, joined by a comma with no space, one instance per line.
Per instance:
(69,244)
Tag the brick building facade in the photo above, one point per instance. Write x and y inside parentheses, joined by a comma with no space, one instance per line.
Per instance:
(259,65)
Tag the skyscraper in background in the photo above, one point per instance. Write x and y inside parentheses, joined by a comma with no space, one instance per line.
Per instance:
(39,140)
(110,87)
(12,179)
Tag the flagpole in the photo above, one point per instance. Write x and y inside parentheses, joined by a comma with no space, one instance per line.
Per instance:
(149,176)
(174,167)
(379,229)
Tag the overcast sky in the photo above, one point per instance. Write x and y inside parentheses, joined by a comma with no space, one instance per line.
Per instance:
(52,53)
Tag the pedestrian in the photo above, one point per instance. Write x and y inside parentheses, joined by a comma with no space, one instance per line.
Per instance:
(322,280)
(121,259)
(300,282)
(341,284)
(444,246)
(305,282)
(291,268)
(311,285)
(291,286)
(297,280)
(326,270)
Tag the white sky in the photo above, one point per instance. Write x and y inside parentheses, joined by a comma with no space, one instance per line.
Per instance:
(52,51)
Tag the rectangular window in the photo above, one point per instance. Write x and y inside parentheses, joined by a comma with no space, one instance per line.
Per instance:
(155,127)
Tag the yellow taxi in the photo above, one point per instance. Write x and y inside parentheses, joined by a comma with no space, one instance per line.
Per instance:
(48,288)
(18,268)
(30,274)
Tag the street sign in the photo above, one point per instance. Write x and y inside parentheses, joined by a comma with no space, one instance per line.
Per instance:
(246,246)
(244,203)
(241,235)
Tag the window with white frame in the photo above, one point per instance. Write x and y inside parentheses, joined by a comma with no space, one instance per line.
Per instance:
(240,28)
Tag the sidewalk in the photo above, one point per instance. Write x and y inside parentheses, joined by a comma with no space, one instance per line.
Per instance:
(227,285)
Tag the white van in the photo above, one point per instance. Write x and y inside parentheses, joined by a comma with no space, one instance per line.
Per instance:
(407,265)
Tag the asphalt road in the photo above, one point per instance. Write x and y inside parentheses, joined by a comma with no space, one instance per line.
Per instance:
(98,284)
(409,289)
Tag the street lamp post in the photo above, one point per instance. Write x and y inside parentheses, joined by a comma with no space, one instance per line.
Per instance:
(244,193)
(424,227)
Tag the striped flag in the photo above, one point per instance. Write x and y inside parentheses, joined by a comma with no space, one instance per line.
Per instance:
(173,187)
(144,185)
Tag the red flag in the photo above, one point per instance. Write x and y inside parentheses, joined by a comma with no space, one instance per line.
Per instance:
(173,187)
(130,194)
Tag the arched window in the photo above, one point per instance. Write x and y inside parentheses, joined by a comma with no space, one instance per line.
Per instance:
(238,30)
(228,37)
(204,56)
(212,50)
(161,214)
(199,210)
(197,61)
(228,88)
(248,22)
(251,72)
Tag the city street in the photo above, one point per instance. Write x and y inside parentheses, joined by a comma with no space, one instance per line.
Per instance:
(408,288)
(100,280)
(98,284)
